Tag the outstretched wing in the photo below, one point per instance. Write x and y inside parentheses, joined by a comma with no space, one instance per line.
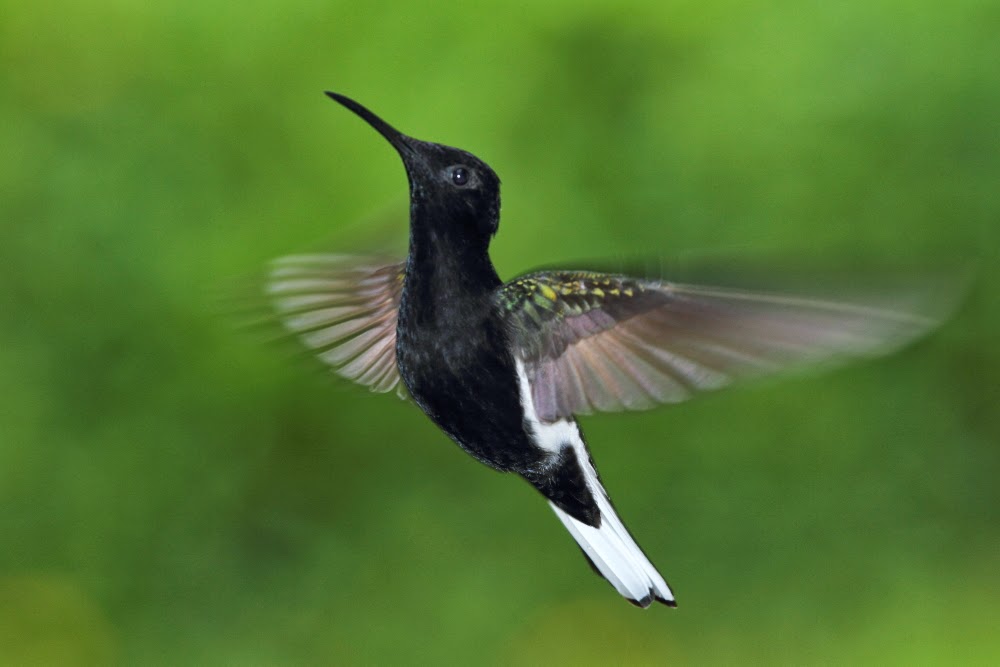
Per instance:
(592,341)
(344,308)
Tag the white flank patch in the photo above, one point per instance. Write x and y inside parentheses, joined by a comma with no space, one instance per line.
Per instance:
(612,550)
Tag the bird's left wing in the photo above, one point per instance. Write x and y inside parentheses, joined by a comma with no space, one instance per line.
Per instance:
(344,308)
(593,341)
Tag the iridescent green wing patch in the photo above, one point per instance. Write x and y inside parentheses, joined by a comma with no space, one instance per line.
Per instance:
(551,310)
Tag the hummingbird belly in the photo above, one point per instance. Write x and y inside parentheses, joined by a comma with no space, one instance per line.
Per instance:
(468,386)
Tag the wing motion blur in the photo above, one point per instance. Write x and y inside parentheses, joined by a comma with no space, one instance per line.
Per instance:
(344,308)
(604,342)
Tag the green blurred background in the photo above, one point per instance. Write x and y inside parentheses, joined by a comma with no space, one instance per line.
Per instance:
(174,492)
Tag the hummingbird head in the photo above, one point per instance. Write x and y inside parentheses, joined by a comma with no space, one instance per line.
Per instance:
(450,189)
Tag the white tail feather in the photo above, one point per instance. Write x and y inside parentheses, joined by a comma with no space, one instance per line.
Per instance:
(611,549)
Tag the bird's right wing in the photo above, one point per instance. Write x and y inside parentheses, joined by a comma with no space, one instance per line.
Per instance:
(592,341)
(344,308)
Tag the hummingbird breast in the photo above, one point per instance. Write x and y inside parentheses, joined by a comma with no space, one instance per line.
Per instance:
(455,360)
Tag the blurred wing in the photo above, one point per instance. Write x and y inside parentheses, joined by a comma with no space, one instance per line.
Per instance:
(344,308)
(592,341)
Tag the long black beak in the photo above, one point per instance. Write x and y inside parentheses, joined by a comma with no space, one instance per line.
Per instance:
(398,140)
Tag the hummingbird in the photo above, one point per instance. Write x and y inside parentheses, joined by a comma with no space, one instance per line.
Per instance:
(505,368)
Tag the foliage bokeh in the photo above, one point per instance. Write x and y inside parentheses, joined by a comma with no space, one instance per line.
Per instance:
(173,492)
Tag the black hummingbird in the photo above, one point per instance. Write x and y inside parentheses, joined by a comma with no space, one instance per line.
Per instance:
(504,368)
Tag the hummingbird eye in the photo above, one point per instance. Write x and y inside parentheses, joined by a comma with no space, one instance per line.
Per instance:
(459,176)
